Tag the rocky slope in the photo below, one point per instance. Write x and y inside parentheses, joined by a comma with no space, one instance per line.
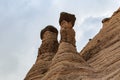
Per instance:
(103,51)
(99,60)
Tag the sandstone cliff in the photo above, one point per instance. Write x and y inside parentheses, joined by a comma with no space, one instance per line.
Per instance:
(99,60)
(103,51)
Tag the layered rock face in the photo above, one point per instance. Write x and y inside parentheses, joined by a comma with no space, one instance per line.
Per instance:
(99,59)
(103,51)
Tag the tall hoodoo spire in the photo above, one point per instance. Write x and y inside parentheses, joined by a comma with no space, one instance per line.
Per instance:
(67,32)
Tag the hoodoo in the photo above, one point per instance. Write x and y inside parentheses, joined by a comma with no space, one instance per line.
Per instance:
(99,59)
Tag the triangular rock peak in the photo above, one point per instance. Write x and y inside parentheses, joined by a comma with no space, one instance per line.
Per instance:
(99,59)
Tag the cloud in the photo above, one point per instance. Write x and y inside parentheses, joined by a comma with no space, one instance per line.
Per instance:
(87,30)
(82,7)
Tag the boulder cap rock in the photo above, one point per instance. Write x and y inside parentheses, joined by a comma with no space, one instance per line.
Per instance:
(67,17)
(48,28)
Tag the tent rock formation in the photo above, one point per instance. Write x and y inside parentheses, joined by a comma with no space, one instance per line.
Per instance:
(99,59)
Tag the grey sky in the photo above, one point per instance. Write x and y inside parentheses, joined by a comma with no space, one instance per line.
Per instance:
(22,20)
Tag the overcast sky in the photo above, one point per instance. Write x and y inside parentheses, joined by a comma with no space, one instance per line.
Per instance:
(22,20)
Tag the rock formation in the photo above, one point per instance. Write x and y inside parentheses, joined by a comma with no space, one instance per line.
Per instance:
(99,59)
(103,51)
(46,52)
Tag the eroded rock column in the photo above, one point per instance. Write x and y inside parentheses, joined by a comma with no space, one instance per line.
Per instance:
(67,64)
(46,52)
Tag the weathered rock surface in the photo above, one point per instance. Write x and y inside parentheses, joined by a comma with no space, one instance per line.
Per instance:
(103,51)
(99,60)
(46,52)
